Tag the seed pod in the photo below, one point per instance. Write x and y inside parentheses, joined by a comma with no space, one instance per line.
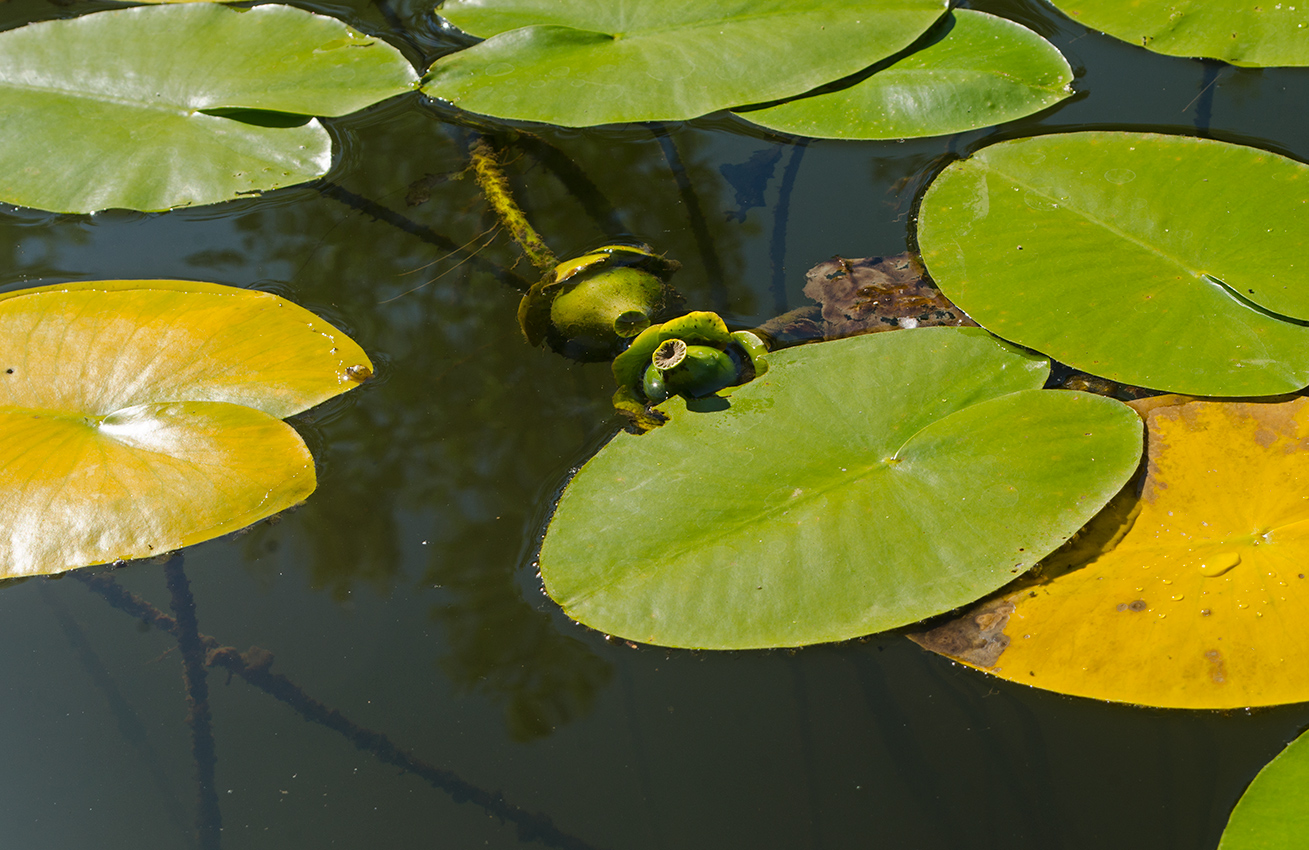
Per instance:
(653,385)
(693,370)
(591,306)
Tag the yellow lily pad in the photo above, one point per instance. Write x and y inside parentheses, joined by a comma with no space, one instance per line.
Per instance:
(1191,595)
(137,417)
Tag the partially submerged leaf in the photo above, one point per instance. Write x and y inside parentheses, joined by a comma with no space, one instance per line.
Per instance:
(155,107)
(1273,813)
(137,417)
(1193,595)
(1168,262)
(978,70)
(857,486)
(1235,31)
(579,65)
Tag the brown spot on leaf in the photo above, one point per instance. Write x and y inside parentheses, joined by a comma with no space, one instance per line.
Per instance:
(1217,669)
(1138,605)
(977,638)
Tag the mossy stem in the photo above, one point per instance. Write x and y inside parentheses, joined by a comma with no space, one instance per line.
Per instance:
(495,187)
(208,819)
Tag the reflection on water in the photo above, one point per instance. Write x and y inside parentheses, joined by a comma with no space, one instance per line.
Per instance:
(402,593)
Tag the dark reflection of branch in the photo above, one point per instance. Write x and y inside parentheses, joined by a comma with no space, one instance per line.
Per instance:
(777,245)
(426,234)
(208,820)
(699,227)
(254,666)
(578,182)
(129,725)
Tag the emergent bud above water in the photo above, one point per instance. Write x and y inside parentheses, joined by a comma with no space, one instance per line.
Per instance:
(691,356)
(591,306)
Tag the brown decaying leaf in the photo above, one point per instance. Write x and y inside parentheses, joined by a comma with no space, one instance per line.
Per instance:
(873,294)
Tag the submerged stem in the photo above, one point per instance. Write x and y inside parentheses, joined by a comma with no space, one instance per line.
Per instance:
(491,179)
(208,820)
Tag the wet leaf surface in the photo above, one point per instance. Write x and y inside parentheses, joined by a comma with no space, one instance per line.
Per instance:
(1238,32)
(137,417)
(579,65)
(856,486)
(157,107)
(1167,262)
(975,71)
(1192,595)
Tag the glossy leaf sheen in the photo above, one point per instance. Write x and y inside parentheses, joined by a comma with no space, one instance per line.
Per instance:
(982,70)
(137,417)
(113,109)
(1236,31)
(1273,813)
(1104,250)
(1202,601)
(857,486)
(582,64)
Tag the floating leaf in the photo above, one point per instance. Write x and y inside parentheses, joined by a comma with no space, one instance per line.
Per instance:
(1235,31)
(1162,261)
(977,71)
(636,60)
(156,107)
(856,486)
(1273,813)
(1193,596)
(137,417)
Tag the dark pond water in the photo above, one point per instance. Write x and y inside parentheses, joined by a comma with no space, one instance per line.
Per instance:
(403,593)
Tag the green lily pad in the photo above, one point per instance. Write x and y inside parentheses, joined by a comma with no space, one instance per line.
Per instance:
(1273,813)
(979,70)
(156,107)
(582,64)
(857,486)
(137,417)
(1167,262)
(1236,31)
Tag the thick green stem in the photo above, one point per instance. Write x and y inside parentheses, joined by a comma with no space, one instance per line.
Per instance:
(486,168)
